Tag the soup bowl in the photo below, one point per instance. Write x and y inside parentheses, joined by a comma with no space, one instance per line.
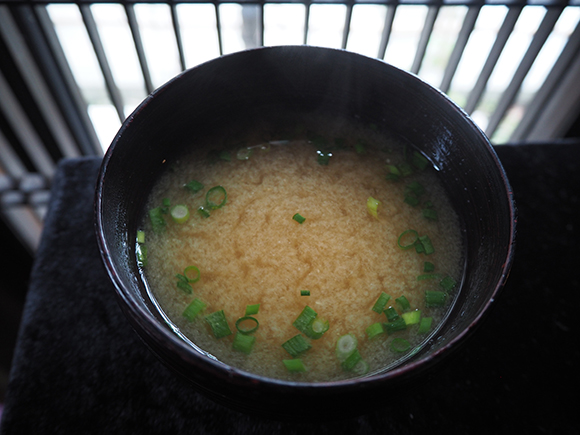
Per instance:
(273,82)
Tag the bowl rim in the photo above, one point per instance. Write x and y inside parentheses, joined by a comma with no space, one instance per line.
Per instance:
(151,329)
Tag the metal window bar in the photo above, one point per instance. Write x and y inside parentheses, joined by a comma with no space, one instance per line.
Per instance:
(37,81)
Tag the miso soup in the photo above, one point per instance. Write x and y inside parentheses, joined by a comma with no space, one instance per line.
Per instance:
(321,254)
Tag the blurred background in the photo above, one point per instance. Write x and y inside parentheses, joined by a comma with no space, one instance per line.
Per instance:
(70,72)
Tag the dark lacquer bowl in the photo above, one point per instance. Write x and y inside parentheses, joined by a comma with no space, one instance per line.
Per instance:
(312,81)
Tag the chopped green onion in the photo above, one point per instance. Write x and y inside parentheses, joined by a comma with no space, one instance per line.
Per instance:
(428,267)
(294,365)
(219,324)
(141,252)
(400,345)
(296,345)
(225,155)
(194,186)
(430,214)
(361,368)
(183,284)
(379,305)
(243,343)
(374,330)
(394,174)
(415,188)
(323,158)
(204,212)
(403,303)
(345,345)
(193,309)
(252,309)
(188,274)
(156,218)
(317,328)
(180,213)
(215,197)
(406,169)
(298,218)
(396,325)
(425,276)
(408,239)
(244,153)
(411,200)
(372,206)
(351,361)
(247,324)
(425,325)
(412,317)
(448,283)
(304,321)
(434,298)
(304,292)
(427,245)
(166,204)
(140,237)
(391,314)
(419,161)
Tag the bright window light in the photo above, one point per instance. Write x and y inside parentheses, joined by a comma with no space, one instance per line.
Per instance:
(366,29)
(326,25)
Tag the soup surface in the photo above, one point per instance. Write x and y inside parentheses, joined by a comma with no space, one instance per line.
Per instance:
(318,221)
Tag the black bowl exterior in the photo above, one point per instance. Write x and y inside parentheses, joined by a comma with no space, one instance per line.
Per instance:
(254,85)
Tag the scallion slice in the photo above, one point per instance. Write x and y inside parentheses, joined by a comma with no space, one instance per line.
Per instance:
(323,158)
(166,204)
(156,218)
(141,253)
(434,298)
(425,325)
(393,173)
(406,169)
(247,324)
(294,365)
(425,276)
(305,319)
(415,188)
(140,237)
(427,245)
(243,343)
(430,214)
(317,328)
(428,267)
(394,326)
(304,292)
(411,317)
(219,324)
(298,218)
(448,283)
(183,284)
(400,345)
(297,345)
(216,197)
(375,330)
(194,186)
(361,368)
(244,153)
(412,200)
(203,212)
(192,274)
(345,345)
(391,314)
(408,239)
(403,303)
(351,361)
(372,206)
(180,213)
(252,309)
(193,309)
(379,305)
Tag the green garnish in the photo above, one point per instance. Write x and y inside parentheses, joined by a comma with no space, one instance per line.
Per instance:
(412,317)
(391,314)
(419,161)
(244,153)
(166,204)
(361,368)
(428,267)
(394,174)
(141,252)
(252,309)
(296,345)
(219,324)
(374,330)
(180,213)
(405,169)
(403,303)
(323,158)
(394,326)
(351,361)
(304,292)
(156,218)
(194,186)
(192,273)
(317,328)
(247,325)
(140,237)
(225,155)
(183,284)
(372,206)
(428,276)
(379,305)
(424,325)
(204,212)
(243,343)
(408,239)
(305,319)
(424,245)
(430,214)
(298,218)
(215,197)
(415,188)
(193,309)
(345,345)
(434,298)
(448,283)
(400,345)
(294,365)
(412,200)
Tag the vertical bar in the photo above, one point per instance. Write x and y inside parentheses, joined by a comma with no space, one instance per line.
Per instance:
(388,27)
(93,33)
(502,36)
(424,40)
(549,87)
(346,29)
(72,102)
(10,163)
(459,48)
(178,38)
(218,24)
(306,21)
(513,88)
(36,84)
(134,26)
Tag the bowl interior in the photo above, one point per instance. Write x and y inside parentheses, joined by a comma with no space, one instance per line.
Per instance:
(272,84)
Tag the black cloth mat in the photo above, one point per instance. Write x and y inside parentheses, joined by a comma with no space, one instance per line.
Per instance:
(80,369)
